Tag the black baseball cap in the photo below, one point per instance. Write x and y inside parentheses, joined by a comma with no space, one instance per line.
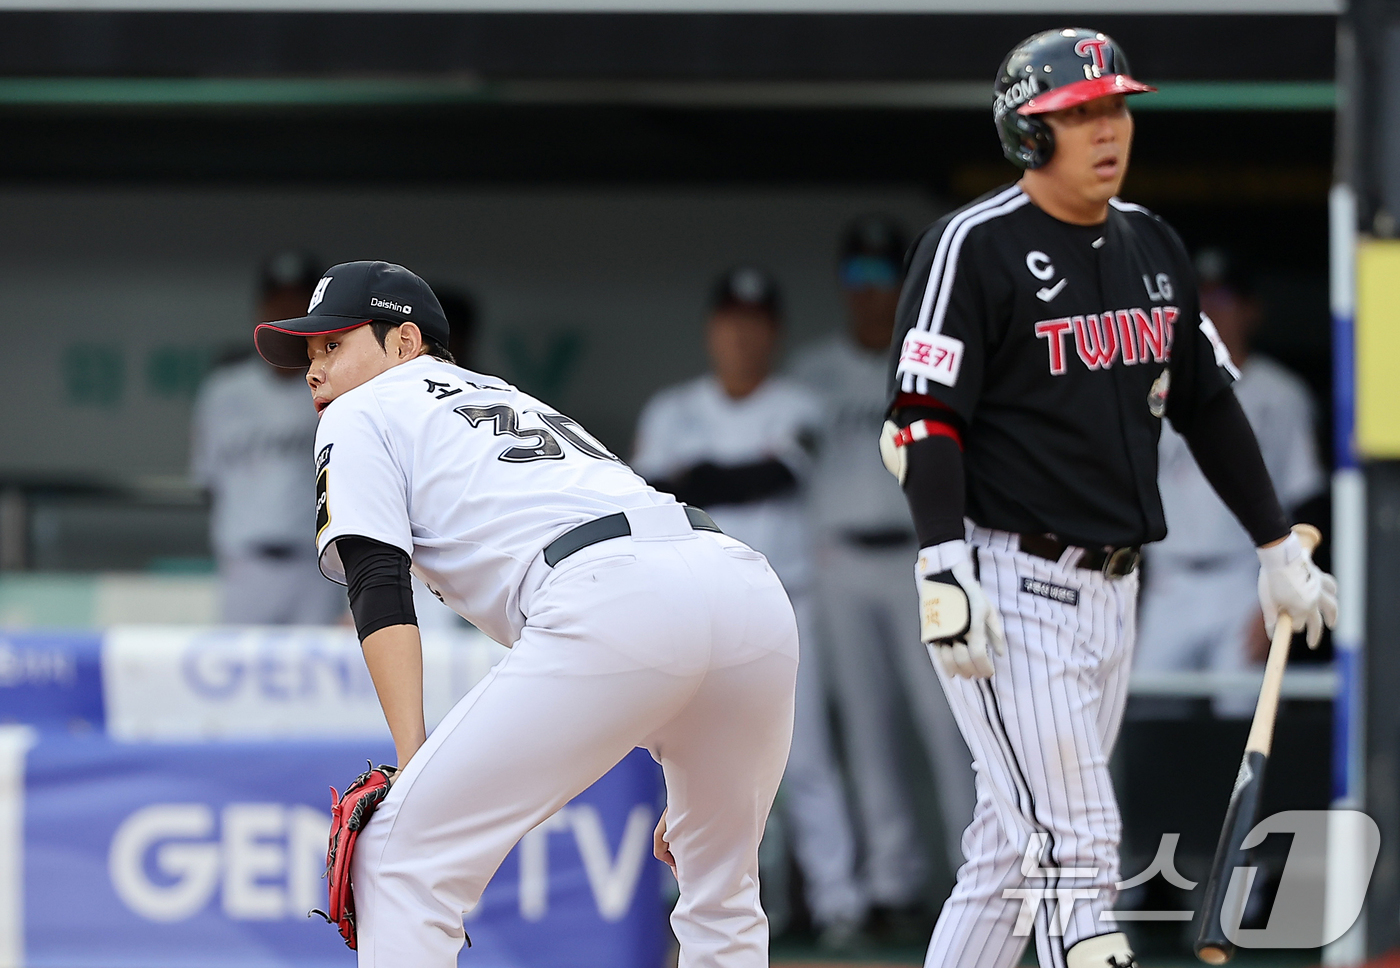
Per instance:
(746,287)
(350,295)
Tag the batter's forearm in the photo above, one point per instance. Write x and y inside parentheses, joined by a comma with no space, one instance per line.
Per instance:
(936,490)
(394,656)
(1227,452)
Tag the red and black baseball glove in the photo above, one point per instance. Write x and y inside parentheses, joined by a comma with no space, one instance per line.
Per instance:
(349,814)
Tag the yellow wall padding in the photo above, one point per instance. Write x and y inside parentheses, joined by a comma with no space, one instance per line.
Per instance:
(1378,348)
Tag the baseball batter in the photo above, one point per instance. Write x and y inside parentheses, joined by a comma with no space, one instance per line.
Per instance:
(1049,328)
(632,622)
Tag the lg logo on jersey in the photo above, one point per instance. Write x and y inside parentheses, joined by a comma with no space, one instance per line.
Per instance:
(1163,291)
(1139,335)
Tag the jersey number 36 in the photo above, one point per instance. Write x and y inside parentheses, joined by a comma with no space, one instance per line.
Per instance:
(537,443)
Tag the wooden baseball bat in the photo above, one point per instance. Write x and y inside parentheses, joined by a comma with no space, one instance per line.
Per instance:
(1212,946)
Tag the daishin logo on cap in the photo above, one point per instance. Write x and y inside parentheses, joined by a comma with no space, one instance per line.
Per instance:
(378,302)
(319,294)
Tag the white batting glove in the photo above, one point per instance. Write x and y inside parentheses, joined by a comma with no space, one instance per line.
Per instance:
(1290,584)
(956,622)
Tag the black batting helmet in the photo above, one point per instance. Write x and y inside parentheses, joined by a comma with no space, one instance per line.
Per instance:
(1051,71)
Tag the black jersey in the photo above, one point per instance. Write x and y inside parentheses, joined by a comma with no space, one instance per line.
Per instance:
(1060,347)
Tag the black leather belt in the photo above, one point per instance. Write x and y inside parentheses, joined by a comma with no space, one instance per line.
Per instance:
(1112,562)
(609,527)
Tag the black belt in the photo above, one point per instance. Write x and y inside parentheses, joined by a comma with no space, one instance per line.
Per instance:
(1112,562)
(609,527)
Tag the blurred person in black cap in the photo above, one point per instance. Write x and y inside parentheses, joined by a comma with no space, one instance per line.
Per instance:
(251,448)
(737,442)
(869,623)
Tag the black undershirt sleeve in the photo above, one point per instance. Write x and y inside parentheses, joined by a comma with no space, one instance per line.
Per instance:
(378,583)
(1227,452)
(934,484)
(709,484)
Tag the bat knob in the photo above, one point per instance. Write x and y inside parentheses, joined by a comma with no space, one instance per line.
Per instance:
(1212,954)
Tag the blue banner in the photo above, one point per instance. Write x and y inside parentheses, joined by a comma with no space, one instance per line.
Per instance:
(52,680)
(210,856)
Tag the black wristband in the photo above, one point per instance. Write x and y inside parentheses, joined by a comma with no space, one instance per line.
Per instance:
(378,583)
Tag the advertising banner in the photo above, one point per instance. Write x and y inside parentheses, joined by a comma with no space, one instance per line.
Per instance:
(164,803)
(210,856)
(182,684)
(52,680)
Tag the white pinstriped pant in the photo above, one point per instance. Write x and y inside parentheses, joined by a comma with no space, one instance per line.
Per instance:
(1041,730)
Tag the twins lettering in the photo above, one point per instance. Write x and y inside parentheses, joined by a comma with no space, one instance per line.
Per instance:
(1137,335)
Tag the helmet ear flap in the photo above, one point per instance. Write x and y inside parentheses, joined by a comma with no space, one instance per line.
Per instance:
(1026,141)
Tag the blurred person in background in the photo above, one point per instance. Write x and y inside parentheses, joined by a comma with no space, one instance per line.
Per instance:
(869,610)
(1200,606)
(252,444)
(737,442)
(460,309)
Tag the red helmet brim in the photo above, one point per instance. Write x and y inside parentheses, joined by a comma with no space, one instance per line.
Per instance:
(1080,91)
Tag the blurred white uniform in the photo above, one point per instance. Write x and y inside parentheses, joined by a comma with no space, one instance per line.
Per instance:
(870,622)
(1200,593)
(697,422)
(252,433)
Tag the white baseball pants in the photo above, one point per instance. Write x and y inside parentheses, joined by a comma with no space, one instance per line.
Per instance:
(1041,730)
(682,642)
(870,638)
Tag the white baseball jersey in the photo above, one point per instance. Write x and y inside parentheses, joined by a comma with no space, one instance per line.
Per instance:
(696,422)
(251,447)
(850,489)
(1199,525)
(466,474)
